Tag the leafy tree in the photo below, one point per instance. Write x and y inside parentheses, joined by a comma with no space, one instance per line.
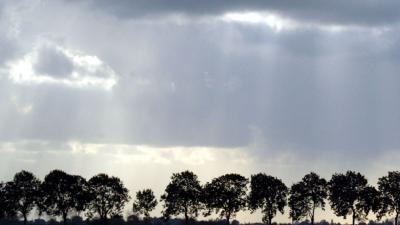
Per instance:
(22,193)
(389,187)
(297,202)
(182,196)
(350,194)
(226,195)
(3,203)
(108,196)
(268,194)
(82,196)
(144,203)
(370,199)
(306,196)
(63,193)
(7,208)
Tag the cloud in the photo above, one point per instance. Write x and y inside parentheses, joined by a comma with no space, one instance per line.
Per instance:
(362,13)
(50,63)
(8,49)
(53,62)
(8,46)
(198,84)
(22,108)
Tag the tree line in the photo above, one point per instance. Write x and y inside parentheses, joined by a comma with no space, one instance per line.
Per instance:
(103,197)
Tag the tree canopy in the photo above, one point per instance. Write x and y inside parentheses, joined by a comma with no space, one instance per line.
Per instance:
(22,193)
(182,196)
(349,194)
(389,187)
(226,195)
(108,196)
(306,196)
(63,193)
(104,197)
(268,194)
(144,203)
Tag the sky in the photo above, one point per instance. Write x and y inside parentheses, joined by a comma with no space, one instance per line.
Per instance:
(142,89)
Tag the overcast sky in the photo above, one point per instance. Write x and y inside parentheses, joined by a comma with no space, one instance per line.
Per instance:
(140,89)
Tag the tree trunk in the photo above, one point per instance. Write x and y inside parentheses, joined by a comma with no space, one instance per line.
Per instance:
(354,218)
(396,218)
(228,216)
(186,218)
(25,219)
(312,215)
(269,218)
(64,218)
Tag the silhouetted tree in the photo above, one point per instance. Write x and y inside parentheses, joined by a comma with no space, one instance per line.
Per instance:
(389,187)
(62,193)
(226,195)
(3,201)
(144,203)
(268,194)
(7,207)
(297,202)
(306,196)
(370,197)
(182,196)
(23,192)
(81,190)
(349,194)
(109,196)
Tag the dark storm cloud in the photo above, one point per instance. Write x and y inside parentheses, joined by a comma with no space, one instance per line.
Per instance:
(365,13)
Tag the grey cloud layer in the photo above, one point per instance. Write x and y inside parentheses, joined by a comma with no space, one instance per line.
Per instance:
(212,84)
(365,13)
